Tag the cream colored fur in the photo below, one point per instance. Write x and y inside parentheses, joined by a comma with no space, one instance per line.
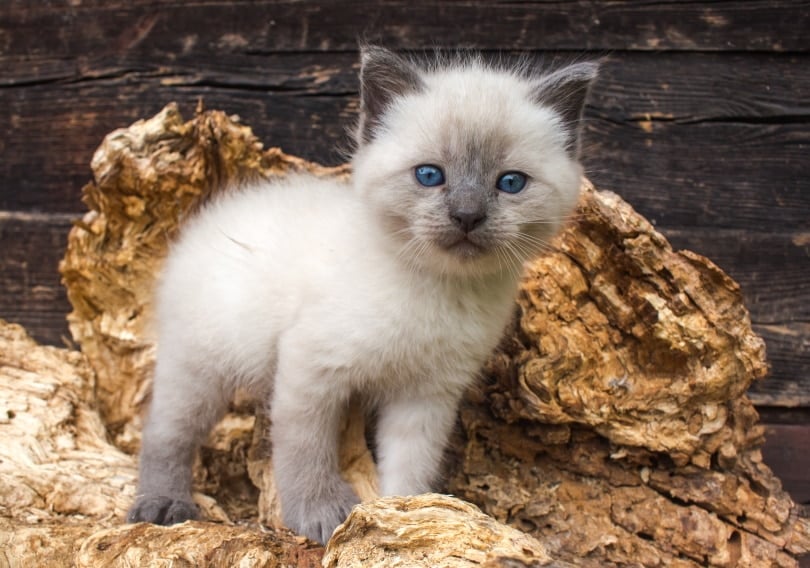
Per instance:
(308,290)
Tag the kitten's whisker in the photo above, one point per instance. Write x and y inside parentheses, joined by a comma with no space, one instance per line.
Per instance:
(549,221)
(572,215)
(525,251)
(533,245)
(403,231)
(424,250)
(503,263)
(527,238)
(405,250)
(520,261)
(563,217)
(421,250)
(516,265)
(410,253)
(525,248)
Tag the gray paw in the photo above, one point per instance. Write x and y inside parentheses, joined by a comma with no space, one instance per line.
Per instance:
(162,510)
(317,519)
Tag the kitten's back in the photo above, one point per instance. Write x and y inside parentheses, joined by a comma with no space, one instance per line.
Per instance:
(245,263)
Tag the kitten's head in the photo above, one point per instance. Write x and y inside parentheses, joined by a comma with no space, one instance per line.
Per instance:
(471,168)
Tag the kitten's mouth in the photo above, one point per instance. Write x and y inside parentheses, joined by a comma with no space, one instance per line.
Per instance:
(464,248)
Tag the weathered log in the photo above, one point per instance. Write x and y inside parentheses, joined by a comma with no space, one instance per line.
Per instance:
(196,544)
(612,424)
(414,531)
(56,467)
(54,455)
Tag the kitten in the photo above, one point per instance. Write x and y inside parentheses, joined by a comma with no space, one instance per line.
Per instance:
(396,285)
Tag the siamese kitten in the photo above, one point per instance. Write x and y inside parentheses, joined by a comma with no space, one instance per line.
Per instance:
(396,285)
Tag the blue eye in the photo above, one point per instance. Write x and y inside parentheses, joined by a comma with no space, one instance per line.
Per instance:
(429,176)
(511,182)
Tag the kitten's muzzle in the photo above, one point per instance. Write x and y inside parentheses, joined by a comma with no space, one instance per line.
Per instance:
(462,243)
(465,248)
(466,206)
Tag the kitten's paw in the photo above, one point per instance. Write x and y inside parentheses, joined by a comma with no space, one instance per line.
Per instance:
(317,519)
(162,510)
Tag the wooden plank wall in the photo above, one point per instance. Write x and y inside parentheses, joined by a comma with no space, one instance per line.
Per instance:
(701,120)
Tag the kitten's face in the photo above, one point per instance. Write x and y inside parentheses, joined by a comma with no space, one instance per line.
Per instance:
(468,174)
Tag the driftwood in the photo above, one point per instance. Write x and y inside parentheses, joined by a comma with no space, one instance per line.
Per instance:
(611,428)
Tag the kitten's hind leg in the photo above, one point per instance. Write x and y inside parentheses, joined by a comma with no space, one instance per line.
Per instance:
(180,417)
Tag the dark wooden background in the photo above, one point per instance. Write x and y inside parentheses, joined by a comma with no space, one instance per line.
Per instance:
(701,120)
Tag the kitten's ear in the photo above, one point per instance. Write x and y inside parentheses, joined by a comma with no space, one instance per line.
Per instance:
(384,76)
(565,91)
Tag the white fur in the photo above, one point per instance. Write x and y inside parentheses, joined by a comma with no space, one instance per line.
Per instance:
(308,290)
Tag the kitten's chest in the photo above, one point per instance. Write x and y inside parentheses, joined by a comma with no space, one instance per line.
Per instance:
(430,333)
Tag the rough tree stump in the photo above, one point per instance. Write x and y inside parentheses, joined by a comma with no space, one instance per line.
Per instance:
(611,428)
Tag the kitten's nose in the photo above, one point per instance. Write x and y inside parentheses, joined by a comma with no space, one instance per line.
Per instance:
(468,220)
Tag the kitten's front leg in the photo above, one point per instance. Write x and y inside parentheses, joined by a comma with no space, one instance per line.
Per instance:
(305,431)
(411,438)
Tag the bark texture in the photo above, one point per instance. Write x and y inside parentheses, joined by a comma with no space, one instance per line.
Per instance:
(611,428)
(407,532)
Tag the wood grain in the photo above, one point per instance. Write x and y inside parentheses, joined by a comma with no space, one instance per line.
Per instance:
(30,291)
(789,353)
(168,27)
(727,175)
(44,175)
(787,451)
